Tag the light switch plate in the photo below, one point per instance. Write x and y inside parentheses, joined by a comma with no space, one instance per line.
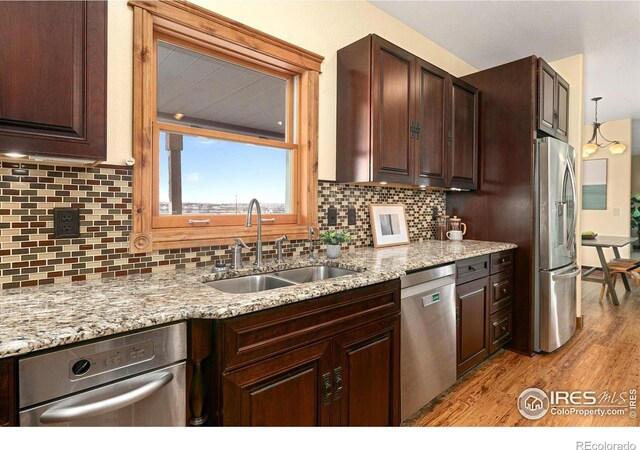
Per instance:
(332,216)
(351,215)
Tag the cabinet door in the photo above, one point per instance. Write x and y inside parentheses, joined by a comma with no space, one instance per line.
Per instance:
(8,400)
(546,98)
(471,313)
(293,389)
(562,108)
(463,136)
(431,100)
(392,113)
(367,375)
(52,85)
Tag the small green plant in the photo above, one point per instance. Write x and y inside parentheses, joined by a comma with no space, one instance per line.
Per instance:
(333,237)
(635,211)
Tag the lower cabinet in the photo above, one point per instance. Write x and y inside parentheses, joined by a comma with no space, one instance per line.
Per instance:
(367,375)
(294,389)
(329,361)
(8,397)
(483,307)
(471,316)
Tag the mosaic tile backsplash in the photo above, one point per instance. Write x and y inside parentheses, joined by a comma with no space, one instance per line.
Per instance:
(29,255)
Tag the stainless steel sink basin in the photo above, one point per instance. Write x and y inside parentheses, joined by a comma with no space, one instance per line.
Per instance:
(252,283)
(315,273)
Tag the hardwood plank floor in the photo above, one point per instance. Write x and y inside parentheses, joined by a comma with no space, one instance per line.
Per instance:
(603,356)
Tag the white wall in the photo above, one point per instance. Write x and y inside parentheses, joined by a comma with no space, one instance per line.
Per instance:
(572,70)
(615,220)
(319,26)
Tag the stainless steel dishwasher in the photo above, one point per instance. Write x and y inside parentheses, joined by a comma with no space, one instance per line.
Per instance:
(428,351)
(133,380)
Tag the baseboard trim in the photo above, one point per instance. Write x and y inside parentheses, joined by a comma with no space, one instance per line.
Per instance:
(579,322)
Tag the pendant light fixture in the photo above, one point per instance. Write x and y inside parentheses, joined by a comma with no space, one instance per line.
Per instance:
(615,147)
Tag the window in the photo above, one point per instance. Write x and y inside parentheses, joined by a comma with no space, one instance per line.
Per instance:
(219,118)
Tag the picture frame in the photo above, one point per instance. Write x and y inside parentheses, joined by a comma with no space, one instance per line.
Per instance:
(594,184)
(388,224)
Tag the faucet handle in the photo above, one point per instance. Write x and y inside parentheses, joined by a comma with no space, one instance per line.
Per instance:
(279,242)
(240,243)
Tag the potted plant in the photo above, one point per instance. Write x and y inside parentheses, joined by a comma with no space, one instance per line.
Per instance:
(635,216)
(334,239)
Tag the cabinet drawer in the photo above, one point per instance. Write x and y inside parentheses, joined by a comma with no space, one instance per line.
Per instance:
(256,336)
(472,269)
(501,290)
(501,261)
(500,329)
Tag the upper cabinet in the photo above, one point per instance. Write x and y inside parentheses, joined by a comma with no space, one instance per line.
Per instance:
(403,120)
(53,85)
(553,102)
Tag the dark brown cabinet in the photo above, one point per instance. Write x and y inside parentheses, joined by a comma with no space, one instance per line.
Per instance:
(553,102)
(471,315)
(463,137)
(483,307)
(403,120)
(53,85)
(332,361)
(503,206)
(288,390)
(8,397)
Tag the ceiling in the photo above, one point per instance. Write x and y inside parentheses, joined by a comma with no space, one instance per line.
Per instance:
(489,33)
(215,94)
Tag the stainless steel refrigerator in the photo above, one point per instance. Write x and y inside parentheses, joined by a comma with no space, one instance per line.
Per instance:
(555,247)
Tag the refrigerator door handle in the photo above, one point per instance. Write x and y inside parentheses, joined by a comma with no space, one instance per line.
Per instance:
(564,276)
(572,229)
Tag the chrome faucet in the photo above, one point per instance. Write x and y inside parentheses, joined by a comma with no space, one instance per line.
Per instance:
(279,242)
(312,231)
(255,202)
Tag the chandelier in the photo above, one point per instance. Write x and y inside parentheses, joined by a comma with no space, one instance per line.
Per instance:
(615,147)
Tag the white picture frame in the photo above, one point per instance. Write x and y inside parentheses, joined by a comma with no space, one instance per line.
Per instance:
(388,224)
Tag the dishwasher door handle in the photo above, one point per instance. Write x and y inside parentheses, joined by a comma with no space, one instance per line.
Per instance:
(118,401)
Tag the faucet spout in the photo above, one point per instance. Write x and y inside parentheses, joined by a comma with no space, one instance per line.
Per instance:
(258,262)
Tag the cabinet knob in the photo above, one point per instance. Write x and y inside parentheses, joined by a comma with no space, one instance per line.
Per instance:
(504,290)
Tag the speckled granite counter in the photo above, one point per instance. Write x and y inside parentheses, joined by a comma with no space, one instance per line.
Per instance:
(48,316)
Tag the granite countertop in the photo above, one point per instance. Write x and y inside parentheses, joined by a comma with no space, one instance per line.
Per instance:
(38,318)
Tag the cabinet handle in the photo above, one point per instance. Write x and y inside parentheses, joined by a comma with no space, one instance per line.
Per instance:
(502,260)
(337,376)
(472,269)
(327,388)
(449,139)
(505,290)
(457,313)
(503,328)
(195,221)
(418,129)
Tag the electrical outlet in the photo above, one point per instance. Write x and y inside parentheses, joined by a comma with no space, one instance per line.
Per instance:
(66,222)
(351,216)
(332,216)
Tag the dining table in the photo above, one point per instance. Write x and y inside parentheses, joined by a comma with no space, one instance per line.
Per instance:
(600,243)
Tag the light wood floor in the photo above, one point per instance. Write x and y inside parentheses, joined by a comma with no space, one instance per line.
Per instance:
(604,355)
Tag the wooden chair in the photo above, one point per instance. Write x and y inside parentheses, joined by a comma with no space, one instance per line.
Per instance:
(618,266)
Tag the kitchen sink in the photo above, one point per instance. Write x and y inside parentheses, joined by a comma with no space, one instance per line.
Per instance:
(315,273)
(252,283)
(283,278)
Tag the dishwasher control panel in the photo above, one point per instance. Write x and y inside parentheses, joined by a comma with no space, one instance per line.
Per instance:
(98,363)
(57,373)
